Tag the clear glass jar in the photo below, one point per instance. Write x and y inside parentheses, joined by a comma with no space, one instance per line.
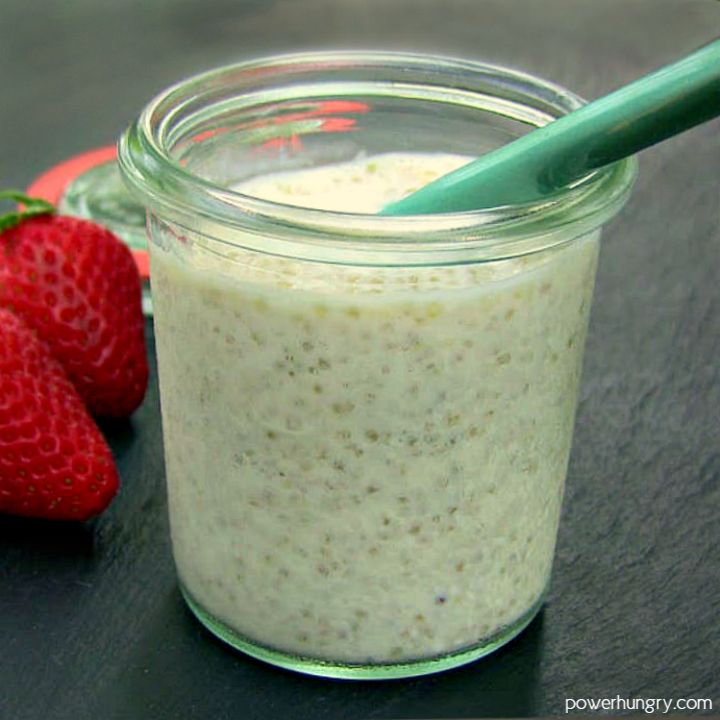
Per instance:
(367,420)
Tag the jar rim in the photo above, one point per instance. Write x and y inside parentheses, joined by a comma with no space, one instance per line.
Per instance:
(168,189)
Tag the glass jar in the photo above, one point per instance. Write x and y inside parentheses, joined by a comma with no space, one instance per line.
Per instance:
(367,420)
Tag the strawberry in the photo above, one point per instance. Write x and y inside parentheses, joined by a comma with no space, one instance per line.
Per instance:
(77,286)
(54,463)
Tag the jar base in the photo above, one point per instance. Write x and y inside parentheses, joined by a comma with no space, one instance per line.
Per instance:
(351,671)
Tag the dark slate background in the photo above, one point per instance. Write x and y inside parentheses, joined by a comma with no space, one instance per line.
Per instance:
(91,622)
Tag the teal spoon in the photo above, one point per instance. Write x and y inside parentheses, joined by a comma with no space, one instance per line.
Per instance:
(647,111)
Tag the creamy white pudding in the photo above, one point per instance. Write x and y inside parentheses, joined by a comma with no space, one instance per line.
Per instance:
(366,464)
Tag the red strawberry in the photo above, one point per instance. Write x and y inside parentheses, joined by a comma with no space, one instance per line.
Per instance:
(77,286)
(54,463)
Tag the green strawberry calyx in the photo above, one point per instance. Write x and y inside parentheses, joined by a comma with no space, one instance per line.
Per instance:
(32,207)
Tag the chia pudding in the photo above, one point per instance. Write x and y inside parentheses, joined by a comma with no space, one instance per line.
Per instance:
(366,464)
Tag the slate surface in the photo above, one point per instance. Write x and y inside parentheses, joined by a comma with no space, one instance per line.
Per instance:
(91,621)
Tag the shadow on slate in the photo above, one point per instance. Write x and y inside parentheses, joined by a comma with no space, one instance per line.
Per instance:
(53,542)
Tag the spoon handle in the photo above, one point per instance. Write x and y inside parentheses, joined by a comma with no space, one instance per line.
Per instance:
(647,111)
